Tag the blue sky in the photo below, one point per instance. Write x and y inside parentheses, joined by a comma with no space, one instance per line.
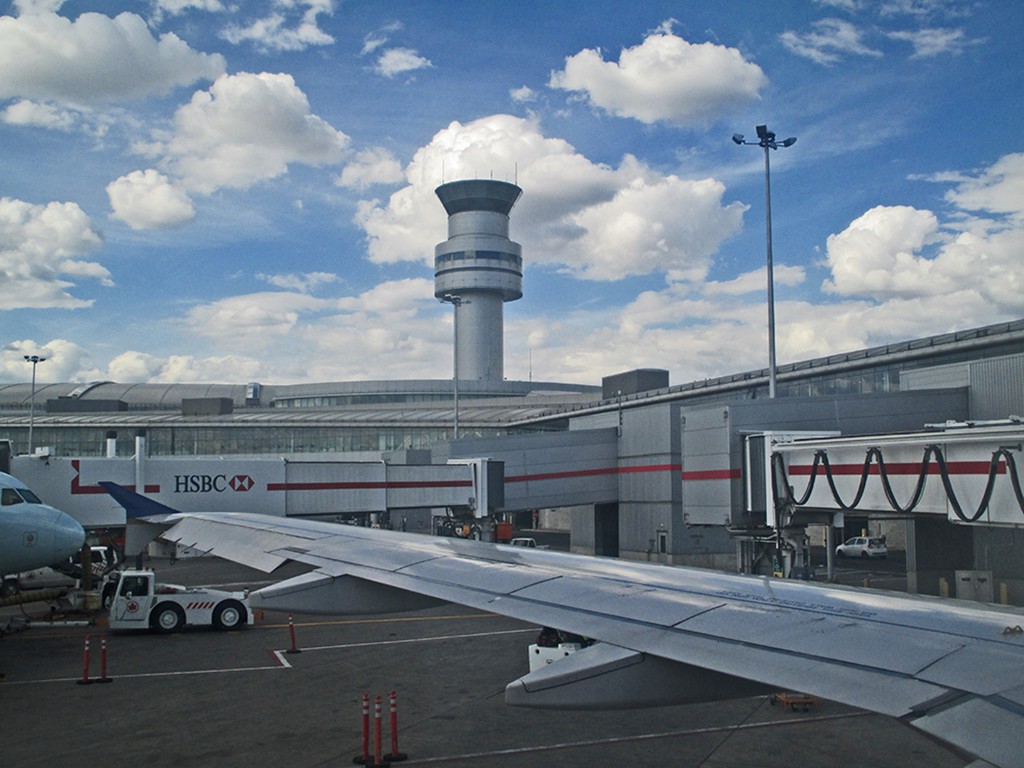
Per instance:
(208,190)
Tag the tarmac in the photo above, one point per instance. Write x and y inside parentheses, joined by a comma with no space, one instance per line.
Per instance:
(207,698)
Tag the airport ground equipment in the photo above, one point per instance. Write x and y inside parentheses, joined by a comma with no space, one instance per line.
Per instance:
(142,603)
(794,701)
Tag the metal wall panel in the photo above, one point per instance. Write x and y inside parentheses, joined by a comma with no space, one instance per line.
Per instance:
(997,388)
(649,492)
(707,466)
(555,469)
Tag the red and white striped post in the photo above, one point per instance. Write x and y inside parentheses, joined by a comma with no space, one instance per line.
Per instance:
(85,664)
(103,662)
(291,631)
(364,759)
(395,755)
(378,758)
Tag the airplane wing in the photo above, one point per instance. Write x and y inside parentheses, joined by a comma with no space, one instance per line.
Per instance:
(667,634)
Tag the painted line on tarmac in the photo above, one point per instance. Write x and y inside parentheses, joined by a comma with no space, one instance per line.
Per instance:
(279,657)
(344,646)
(637,738)
(139,675)
(387,620)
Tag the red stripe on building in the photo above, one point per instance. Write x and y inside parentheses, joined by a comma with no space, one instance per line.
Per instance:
(902,468)
(712,474)
(369,486)
(592,473)
(77,489)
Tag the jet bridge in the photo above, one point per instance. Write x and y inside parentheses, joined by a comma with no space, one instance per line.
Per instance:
(965,472)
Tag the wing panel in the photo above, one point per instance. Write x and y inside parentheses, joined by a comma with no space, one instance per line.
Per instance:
(980,669)
(631,602)
(375,554)
(842,639)
(482,576)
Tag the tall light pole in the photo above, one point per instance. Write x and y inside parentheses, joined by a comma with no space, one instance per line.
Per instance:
(35,360)
(456,301)
(766,139)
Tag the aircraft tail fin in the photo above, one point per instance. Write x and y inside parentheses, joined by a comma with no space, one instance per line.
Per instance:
(135,504)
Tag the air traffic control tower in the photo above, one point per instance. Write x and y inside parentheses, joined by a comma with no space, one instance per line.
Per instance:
(477,269)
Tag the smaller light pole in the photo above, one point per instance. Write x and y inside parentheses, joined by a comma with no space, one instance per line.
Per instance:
(456,301)
(35,360)
(766,139)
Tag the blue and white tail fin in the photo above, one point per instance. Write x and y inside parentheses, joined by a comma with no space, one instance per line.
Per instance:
(135,504)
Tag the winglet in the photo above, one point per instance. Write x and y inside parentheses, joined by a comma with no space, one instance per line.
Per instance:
(136,505)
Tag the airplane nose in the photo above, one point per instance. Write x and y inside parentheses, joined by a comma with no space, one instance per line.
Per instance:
(68,536)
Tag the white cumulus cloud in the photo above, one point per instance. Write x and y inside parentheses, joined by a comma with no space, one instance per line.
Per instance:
(664,79)
(94,59)
(997,189)
(41,115)
(134,366)
(40,247)
(248,128)
(368,167)
(254,320)
(65,361)
(148,200)
(896,255)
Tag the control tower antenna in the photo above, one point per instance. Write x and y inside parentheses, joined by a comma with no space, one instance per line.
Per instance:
(477,269)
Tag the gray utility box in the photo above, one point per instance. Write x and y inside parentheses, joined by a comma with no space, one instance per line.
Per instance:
(975,585)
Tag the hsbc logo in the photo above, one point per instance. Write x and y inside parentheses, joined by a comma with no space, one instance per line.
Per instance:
(241,483)
(212,483)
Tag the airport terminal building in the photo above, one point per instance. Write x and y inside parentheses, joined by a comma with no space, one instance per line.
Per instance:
(637,468)
(73,419)
(711,472)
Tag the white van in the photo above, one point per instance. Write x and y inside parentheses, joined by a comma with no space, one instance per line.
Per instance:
(103,561)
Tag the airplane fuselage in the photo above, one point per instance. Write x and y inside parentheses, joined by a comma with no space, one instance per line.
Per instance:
(33,534)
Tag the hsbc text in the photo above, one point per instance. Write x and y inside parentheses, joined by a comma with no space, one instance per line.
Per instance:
(211,483)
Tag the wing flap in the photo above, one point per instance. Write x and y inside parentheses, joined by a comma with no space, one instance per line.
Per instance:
(320,593)
(981,670)
(256,548)
(606,677)
(988,728)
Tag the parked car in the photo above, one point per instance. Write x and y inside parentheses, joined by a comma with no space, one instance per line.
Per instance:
(863,546)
